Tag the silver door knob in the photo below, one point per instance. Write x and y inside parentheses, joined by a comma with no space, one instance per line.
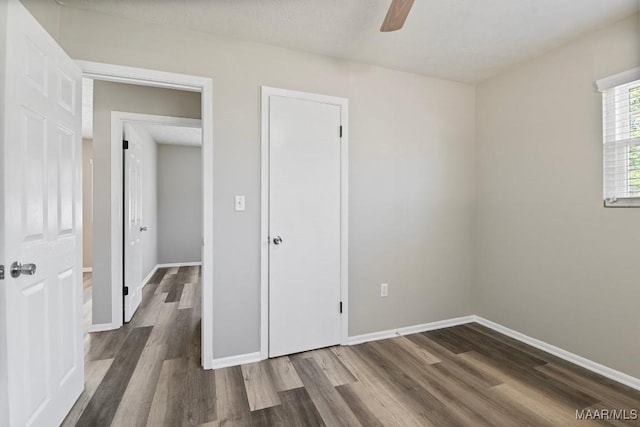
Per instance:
(143,228)
(17,269)
(277,240)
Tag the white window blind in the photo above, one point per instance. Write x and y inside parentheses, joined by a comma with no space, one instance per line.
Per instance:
(621,119)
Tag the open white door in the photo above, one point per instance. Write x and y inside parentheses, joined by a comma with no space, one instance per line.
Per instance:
(132,222)
(41,302)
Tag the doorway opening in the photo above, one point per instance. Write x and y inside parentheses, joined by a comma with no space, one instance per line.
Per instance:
(198,264)
(42,361)
(162,207)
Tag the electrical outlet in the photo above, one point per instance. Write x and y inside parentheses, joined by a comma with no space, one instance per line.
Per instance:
(384,289)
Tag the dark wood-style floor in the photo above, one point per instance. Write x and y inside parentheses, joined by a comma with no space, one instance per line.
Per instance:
(148,373)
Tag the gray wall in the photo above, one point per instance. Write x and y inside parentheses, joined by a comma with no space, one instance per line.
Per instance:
(87,203)
(411,171)
(179,204)
(110,97)
(552,262)
(46,12)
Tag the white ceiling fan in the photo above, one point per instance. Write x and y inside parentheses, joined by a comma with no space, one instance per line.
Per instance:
(396,15)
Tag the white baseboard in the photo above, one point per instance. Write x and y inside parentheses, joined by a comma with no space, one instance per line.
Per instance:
(598,368)
(256,357)
(390,333)
(592,366)
(179,264)
(87,269)
(241,359)
(149,276)
(101,327)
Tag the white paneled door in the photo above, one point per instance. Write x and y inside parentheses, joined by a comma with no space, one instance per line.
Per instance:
(304,225)
(41,225)
(133,227)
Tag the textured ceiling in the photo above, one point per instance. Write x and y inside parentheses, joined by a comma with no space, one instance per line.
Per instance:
(465,40)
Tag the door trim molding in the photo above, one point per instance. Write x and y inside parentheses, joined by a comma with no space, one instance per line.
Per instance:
(266,92)
(204,85)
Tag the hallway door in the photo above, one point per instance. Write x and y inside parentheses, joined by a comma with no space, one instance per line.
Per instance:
(133,227)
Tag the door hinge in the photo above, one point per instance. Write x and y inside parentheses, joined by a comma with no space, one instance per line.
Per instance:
(340,131)
(125,144)
(1,272)
(125,291)
(340,306)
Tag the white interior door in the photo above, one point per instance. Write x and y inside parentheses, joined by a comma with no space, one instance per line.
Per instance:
(133,228)
(304,225)
(41,224)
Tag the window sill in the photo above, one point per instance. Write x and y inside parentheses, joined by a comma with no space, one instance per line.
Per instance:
(631,202)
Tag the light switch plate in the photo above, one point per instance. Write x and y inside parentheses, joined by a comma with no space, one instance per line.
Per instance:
(240,205)
(384,290)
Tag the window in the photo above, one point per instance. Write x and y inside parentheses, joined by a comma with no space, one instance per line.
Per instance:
(621,144)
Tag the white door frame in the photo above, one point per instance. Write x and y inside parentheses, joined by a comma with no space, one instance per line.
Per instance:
(154,78)
(118,119)
(343,103)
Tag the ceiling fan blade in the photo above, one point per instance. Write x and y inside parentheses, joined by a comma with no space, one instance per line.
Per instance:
(396,15)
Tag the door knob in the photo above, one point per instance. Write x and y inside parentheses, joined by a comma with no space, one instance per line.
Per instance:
(277,240)
(143,228)
(17,269)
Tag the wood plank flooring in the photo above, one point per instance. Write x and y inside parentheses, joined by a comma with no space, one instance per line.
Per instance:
(148,373)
